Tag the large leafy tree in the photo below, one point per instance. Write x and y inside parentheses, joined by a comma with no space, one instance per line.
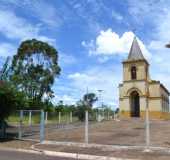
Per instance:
(34,68)
(90,99)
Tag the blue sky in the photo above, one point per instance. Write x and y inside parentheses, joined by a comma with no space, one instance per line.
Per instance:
(92,37)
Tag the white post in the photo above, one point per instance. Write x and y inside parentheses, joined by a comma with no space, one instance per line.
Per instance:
(59,117)
(42,127)
(103,115)
(96,116)
(46,117)
(71,117)
(147,121)
(20,124)
(114,115)
(147,129)
(86,127)
(30,118)
(108,115)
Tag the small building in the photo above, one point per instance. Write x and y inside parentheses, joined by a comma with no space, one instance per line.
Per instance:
(137,89)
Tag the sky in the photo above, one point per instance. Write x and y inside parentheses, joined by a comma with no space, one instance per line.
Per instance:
(92,38)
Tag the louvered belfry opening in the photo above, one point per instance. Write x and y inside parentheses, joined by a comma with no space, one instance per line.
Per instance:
(133,72)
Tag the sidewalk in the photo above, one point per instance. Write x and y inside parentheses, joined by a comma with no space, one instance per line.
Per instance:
(106,152)
(16,144)
(91,152)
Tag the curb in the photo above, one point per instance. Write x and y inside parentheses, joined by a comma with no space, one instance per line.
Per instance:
(81,156)
(107,147)
(63,154)
(76,155)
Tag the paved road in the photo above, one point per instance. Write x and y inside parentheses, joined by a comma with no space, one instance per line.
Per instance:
(13,155)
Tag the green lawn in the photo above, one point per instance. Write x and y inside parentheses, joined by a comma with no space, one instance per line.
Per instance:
(52,118)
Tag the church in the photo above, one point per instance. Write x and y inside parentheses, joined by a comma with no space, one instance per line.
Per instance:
(137,91)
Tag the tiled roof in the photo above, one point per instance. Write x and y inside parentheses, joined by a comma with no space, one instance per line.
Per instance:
(135,51)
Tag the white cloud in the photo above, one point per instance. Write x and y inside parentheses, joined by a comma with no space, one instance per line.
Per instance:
(7,49)
(45,11)
(103,59)
(99,77)
(66,59)
(158,15)
(18,28)
(65,98)
(14,27)
(110,43)
(117,16)
(42,10)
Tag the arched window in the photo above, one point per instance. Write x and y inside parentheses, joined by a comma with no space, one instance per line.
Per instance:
(133,72)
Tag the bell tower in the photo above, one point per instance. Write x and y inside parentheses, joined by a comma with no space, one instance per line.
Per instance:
(132,96)
(135,67)
(137,91)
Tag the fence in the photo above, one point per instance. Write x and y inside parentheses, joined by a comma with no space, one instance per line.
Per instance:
(24,124)
(100,127)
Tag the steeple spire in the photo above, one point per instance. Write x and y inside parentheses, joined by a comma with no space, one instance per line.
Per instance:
(135,51)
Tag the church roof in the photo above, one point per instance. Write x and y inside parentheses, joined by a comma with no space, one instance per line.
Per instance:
(135,51)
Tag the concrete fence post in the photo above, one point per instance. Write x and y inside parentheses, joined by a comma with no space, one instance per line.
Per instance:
(147,129)
(30,118)
(59,117)
(114,117)
(21,115)
(42,127)
(103,115)
(86,127)
(46,117)
(96,116)
(71,117)
(108,115)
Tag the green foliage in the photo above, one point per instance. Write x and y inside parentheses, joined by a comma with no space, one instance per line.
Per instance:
(48,106)
(80,112)
(90,99)
(10,100)
(4,73)
(117,110)
(61,107)
(81,107)
(34,68)
(86,104)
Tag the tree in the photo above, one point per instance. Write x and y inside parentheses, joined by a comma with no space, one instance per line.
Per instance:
(80,110)
(10,100)
(48,106)
(4,73)
(86,104)
(34,69)
(90,99)
(167,45)
(60,106)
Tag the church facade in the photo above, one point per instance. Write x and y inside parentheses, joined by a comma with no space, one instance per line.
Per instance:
(137,91)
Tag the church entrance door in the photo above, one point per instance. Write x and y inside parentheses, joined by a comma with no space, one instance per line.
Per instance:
(135,104)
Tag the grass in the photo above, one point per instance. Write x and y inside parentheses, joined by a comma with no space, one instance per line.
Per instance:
(15,119)
(52,118)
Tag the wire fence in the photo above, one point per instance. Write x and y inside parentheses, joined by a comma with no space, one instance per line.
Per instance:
(99,127)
